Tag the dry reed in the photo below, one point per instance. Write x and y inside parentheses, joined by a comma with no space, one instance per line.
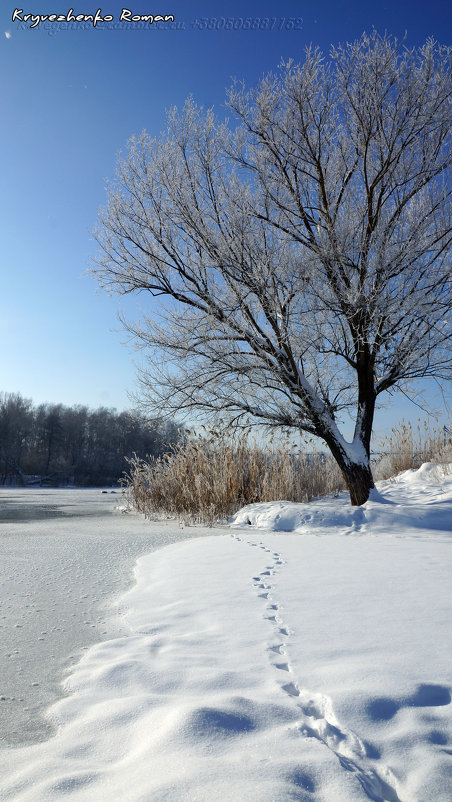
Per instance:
(405,449)
(207,477)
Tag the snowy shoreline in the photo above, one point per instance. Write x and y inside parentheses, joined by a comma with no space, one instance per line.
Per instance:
(304,655)
(67,555)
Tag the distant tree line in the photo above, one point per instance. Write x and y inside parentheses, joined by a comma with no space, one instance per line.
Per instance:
(56,444)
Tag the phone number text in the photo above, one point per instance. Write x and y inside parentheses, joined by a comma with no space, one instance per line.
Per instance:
(247,23)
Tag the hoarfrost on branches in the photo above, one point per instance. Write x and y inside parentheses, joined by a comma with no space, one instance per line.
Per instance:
(301,251)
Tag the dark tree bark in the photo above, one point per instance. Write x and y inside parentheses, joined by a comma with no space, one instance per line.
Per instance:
(359,482)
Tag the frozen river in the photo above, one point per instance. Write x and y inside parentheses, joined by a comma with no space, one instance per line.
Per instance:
(65,556)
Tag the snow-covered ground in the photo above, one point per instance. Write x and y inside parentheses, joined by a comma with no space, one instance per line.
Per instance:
(304,655)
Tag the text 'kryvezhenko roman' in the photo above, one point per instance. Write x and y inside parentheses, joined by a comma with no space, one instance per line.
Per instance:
(126,15)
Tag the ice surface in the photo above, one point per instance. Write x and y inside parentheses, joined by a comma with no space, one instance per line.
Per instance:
(64,555)
(295,658)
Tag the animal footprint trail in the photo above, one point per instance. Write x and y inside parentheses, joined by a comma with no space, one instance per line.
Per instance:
(317,719)
(272,612)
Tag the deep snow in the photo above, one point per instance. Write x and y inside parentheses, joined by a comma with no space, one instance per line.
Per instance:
(305,655)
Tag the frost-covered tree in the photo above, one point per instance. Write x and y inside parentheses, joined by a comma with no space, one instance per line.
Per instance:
(300,250)
(16,424)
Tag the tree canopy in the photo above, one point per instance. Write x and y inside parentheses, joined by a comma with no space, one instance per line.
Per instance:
(301,249)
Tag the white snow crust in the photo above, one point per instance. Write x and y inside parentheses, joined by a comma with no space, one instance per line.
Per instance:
(305,655)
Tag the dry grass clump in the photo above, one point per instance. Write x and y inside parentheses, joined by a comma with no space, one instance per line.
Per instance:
(207,477)
(405,449)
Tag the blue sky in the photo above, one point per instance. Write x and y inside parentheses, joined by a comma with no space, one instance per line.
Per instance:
(70,101)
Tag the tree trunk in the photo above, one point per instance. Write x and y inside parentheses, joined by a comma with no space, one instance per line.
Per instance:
(357,474)
(359,482)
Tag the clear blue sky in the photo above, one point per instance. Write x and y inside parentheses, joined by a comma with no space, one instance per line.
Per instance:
(70,100)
